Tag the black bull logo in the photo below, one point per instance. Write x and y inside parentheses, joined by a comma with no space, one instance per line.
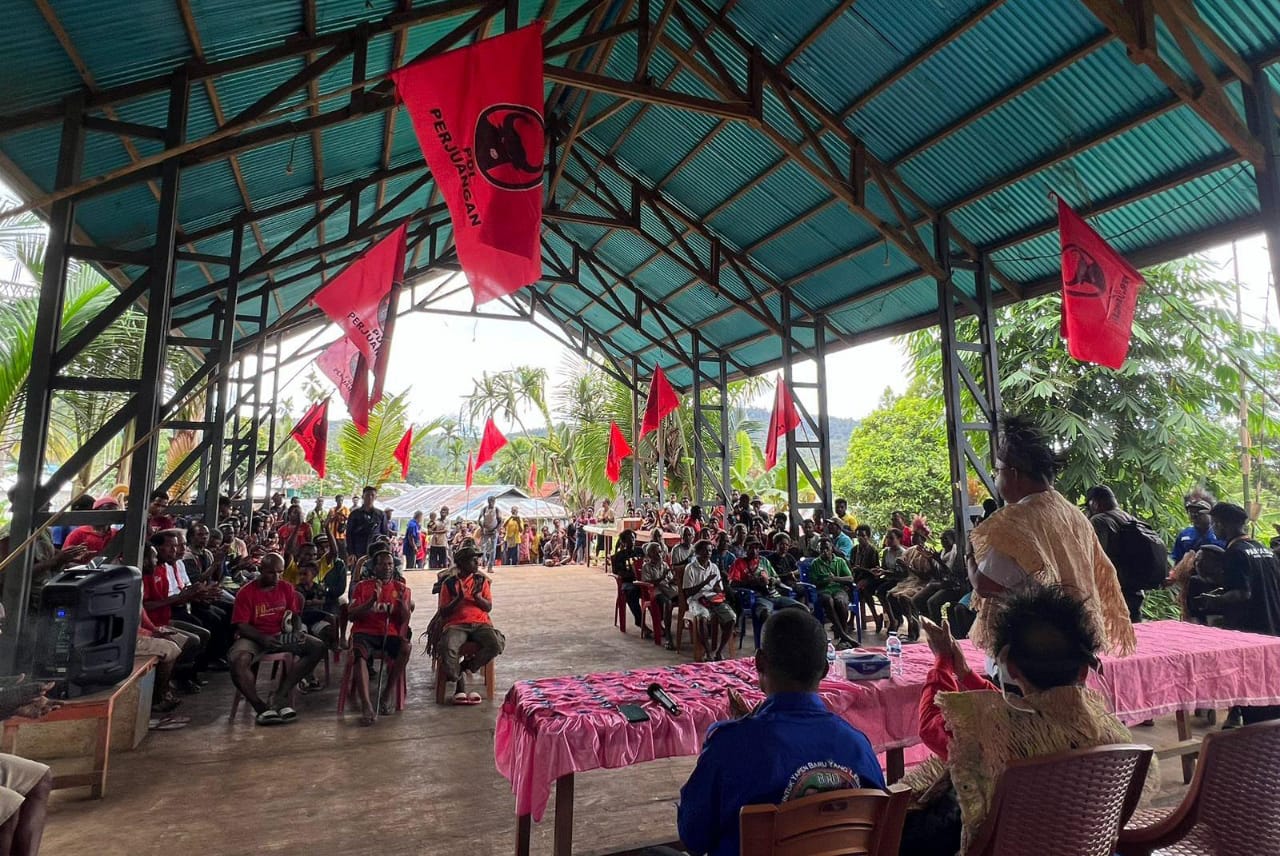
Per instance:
(1082,275)
(509,146)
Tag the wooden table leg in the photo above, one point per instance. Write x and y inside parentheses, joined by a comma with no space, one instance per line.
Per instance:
(564,816)
(102,754)
(895,764)
(1184,733)
(524,831)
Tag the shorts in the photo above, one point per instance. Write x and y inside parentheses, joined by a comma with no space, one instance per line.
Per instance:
(257,651)
(17,777)
(166,650)
(365,644)
(720,612)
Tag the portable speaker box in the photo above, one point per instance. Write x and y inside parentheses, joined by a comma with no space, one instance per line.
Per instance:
(87,629)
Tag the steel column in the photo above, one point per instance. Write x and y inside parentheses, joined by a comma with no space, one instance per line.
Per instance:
(726,482)
(31,456)
(142,472)
(255,417)
(814,451)
(1263,125)
(704,435)
(635,435)
(271,432)
(227,335)
(699,454)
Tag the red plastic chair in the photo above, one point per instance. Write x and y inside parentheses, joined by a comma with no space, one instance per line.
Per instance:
(349,675)
(280,659)
(1230,807)
(1066,804)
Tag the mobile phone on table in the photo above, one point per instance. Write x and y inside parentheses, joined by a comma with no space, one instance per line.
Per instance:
(633,712)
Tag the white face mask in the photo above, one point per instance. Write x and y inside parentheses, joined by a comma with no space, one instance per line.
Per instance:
(1001,669)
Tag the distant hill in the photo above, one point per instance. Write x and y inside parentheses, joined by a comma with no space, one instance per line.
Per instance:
(841,428)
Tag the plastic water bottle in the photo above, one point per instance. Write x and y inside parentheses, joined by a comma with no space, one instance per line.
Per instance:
(831,660)
(893,649)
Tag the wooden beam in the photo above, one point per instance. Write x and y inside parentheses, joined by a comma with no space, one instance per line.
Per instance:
(648,94)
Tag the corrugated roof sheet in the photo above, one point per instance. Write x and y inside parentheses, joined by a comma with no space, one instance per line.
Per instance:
(977,130)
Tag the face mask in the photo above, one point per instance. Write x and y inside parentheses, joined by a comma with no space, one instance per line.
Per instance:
(1001,669)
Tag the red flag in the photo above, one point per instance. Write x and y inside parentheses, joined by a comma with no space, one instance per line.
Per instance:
(402,452)
(1099,293)
(533,476)
(662,400)
(343,364)
(477,113)
(362,301)
(490,443)
(784,419)
(618,449)
(312,434)
(471,469)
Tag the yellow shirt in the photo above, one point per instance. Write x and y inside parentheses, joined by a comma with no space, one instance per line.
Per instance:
(513,530)
(849,520)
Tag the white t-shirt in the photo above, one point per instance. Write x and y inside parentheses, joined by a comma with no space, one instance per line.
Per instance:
(695,573)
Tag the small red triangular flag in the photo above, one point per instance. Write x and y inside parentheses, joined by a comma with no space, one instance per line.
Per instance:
(618,449)
(784,419)
(490,443)
(471,469)
(662,400)
(312,434)
(402,452)
(533,476)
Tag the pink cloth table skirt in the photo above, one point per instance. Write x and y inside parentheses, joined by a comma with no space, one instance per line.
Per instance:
(551,727)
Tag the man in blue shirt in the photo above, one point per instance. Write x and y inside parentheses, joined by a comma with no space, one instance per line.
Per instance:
(1199,533)
(840,540)
(789,747)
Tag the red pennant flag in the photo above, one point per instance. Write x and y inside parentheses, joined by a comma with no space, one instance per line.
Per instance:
(533,477)
(402,452)
(618,449)
(490,443)
(312,434)
(1099,293)
(477,113)
(471,469)
(362,301)
(662,400)
(784,419)
(343,364)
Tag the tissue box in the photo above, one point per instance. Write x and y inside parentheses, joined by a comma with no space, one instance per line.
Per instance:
(865,665)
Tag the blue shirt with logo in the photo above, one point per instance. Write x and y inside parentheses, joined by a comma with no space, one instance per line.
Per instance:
(790,747)
(1189,539)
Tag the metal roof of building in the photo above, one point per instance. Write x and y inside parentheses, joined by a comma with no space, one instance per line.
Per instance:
(973,109)
(466,504)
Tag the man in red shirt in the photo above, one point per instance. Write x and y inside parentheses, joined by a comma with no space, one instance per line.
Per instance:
(267,615)
(93,538)
(379,614)
(157,518)
(463,613)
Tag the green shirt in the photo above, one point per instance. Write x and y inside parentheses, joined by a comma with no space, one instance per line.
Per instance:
(823,574)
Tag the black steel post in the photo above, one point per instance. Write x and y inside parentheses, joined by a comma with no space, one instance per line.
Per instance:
(990,363)
(699,453)
(159,290)
(275,396)
(1263,125)
(954,417)
(788,377)
(255,418)
(824,414)
(35,422)
(635,434)
(226,347)
(726,483)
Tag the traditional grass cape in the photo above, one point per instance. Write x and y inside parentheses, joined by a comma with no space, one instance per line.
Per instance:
(1053,541)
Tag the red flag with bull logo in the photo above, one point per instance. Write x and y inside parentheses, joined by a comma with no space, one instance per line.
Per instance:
(362,301)
(312,434)
(1099,293)
(477,113)
(343,364)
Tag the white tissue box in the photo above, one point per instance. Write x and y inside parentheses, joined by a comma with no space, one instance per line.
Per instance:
(865,665)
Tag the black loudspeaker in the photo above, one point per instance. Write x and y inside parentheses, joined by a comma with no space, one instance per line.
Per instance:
(87,628)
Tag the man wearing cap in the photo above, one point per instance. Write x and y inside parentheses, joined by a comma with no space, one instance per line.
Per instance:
(380,611)
(462,616)
(93,538)
(753,572)
(1199,533)
(1249,599)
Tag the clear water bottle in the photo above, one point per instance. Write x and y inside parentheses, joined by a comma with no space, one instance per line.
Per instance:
(893,649)
(831,660)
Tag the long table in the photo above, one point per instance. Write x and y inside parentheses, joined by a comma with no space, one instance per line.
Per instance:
(551,728)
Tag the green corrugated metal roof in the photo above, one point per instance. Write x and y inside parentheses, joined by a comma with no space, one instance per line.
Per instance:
(1030,96)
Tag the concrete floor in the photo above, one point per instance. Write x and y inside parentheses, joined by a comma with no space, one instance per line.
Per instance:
(420,782)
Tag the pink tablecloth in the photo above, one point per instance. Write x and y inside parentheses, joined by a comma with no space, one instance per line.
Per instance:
(554,726)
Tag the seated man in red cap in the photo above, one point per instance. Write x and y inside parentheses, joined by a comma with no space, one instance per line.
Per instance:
(379,613)
(462,617)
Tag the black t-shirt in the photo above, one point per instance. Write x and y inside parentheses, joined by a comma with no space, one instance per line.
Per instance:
(362,525)
(622,563)
(1252,568)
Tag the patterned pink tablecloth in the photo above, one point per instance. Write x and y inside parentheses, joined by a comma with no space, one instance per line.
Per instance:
(554,726)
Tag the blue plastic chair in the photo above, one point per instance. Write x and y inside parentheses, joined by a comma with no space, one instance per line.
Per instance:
(747,606)
(811,592)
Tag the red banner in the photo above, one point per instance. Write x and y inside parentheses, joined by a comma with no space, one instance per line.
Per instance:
(471,469)
(402,453)
(477,113)
(1099,293)
(533,477)
(784,419)
(662,400)
(618,449)
(490,443)
(312,434)
(343,364)
(362,301)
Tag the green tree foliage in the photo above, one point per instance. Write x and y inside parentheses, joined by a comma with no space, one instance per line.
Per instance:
(355,461)
(898,461)
(1166,422)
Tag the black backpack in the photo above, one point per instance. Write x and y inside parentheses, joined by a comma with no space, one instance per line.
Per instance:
(1140,556)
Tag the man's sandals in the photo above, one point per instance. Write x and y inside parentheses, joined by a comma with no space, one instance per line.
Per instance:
(461,696)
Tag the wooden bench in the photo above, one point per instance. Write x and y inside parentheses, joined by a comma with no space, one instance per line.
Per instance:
(99,706)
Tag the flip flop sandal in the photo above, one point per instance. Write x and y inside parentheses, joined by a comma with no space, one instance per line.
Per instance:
(288,714)
(473,698)
(386,709)
(169,723)
(460,698)
(367,719)
(268,717)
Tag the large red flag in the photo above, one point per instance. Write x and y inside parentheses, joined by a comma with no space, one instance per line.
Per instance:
(471,469)
(362,301)
(402,452)
(477,113)
(784,419)
(1099,293)
(343,364)
(312,434)
(490,442)
(618,449)
(662,400)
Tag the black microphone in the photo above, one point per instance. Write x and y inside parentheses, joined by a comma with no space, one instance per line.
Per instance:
(658,694)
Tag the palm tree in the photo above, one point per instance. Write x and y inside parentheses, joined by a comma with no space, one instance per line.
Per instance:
(355,460)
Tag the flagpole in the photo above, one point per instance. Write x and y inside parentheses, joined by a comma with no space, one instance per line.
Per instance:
(661,461)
